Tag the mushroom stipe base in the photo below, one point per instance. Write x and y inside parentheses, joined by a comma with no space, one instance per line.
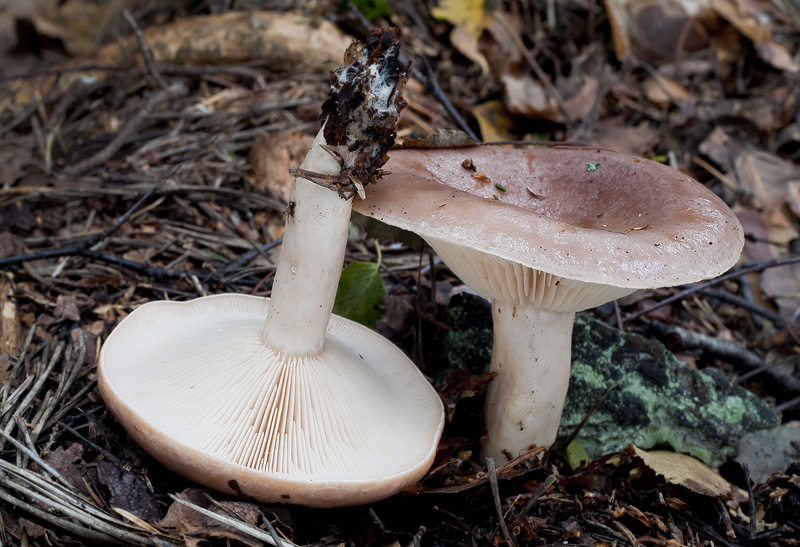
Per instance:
(211,401)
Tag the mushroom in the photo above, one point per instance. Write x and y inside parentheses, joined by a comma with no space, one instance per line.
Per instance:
(276,399)
(545,233)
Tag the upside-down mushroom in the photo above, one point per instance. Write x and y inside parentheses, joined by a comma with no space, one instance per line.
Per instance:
(276,399)
(545,233)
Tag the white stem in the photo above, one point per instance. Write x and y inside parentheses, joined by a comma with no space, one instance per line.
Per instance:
(531,355)
(310,262)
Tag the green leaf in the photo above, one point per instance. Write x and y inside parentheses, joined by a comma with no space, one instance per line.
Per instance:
(370,9)
(360,293)
(576,455)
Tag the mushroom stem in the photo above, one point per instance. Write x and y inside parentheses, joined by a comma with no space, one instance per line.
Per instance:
(311,260)
(531,355)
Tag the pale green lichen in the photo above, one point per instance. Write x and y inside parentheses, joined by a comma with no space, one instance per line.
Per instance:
(657,400)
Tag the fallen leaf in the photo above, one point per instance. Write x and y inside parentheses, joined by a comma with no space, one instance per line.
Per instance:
(665,91)
(783,286)
(361,292)
(637,140)
(467,45)
(526,96)
(684,470)
(128,491)
(581,105)
(653,30)
(443,138)
(271,157)
(196,528)
(471,14)
(64,461)
(494,121)
(765,176)
(460,384)
(67,307)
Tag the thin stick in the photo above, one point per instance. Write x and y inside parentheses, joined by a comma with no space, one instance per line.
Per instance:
(759,267)
(497,505)
(751,502)
(87,243)
(441,96)
(544,487)
(588,415)
(245,528)
(146,53)
(130,127)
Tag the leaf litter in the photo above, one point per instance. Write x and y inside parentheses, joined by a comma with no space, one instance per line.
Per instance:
(86,130)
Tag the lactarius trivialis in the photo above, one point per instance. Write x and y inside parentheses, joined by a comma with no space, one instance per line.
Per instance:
(277,399)
(545,233)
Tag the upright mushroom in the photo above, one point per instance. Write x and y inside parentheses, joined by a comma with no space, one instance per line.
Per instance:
(545,233)
(277,399)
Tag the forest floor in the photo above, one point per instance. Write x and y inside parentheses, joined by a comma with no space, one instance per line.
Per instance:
(144,156)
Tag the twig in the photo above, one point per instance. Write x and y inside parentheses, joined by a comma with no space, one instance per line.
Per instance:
(725,349)
(588,415)
(84,245)
(243,260)
(147,55)
(745,304)
(726,518)
(750,501)
(551,89)
(786,405)
(544,487)
(758,267)
(129,128)
(59,71)
(270,528)
(441,96)
(729,351)
(497,505)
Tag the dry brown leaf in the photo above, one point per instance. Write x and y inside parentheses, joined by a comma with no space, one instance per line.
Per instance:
(684,471)
(654,29)
(580,106)
(494,121)
(471,14)
(754,21)
(271,157)
(665,91)
(467,45)
(783,286)
(64,461)
(443,138)
(469,19)
(637,140)
(129,491)
(195,528)
(525,96)
(67,307)
(745,18)
(765,176)
(793,196)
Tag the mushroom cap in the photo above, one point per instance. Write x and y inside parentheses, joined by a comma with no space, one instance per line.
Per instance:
(194,384)
(562,228)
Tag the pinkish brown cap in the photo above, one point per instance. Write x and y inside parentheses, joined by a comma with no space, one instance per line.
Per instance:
(563,228)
